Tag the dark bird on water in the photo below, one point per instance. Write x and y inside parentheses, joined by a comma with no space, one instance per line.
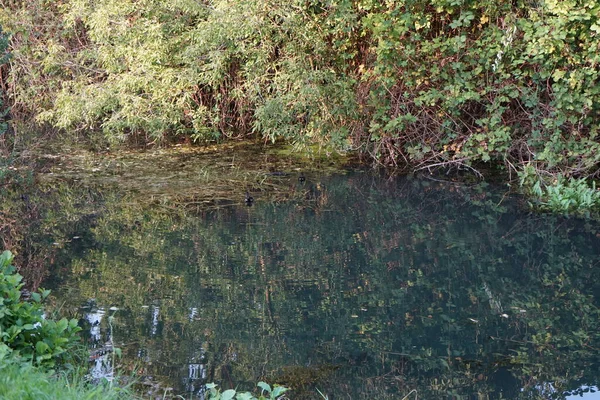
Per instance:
(249,199)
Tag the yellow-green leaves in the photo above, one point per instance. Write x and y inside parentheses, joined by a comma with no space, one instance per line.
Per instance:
(403,81)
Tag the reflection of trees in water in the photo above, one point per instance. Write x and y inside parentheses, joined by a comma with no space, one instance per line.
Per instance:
(370,287)
(36,221)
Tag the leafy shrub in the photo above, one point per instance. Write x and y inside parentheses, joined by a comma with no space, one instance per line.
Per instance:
(24,330)
(557,193)
(571,195)
(415,83)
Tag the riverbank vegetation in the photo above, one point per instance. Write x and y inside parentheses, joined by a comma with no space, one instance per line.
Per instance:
(410,85)
(25,332)
(34,347)
(24,381)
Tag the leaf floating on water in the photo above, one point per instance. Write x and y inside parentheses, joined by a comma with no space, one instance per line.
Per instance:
(504,315)
(474,320)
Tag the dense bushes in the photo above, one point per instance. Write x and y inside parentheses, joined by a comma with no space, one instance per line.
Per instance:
(410,83)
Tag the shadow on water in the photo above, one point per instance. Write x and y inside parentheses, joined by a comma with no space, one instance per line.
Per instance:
(359,286)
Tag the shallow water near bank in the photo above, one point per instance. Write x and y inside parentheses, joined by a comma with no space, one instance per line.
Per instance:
(358,285)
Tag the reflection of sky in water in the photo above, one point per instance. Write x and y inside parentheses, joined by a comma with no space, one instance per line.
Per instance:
(587,396)
(95,318)
(196,378)
(102,368)
(155,313)
(548,390)
(101,352)
(193,313)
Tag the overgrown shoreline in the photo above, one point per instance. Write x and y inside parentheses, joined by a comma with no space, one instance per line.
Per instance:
(409,85)
(412,86)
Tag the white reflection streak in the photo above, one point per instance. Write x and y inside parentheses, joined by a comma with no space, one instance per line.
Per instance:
(193,313)
(194,371)
(102,367)
(100,355)
(155,312)
(94,318)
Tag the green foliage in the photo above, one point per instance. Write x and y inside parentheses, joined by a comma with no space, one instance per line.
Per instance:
(410,83)
(572,195)
(25,332)
(561,195)
(40,59)
(157,70)
(267,393)
(3,47)
(25,382)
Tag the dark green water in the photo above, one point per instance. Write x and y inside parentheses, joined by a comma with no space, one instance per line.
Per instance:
(359,286)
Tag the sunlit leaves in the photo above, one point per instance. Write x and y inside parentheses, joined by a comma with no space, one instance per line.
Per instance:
(417,84)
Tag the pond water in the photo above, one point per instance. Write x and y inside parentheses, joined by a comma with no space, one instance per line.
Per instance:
(357,285)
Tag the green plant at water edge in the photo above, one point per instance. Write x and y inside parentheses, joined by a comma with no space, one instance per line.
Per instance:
(266,393)
(24,330)
(560,194)
(571,195)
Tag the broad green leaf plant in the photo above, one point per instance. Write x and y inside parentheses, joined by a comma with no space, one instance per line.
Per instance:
(25,332)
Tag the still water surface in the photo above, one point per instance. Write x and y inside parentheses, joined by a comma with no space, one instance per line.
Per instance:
(358,285)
